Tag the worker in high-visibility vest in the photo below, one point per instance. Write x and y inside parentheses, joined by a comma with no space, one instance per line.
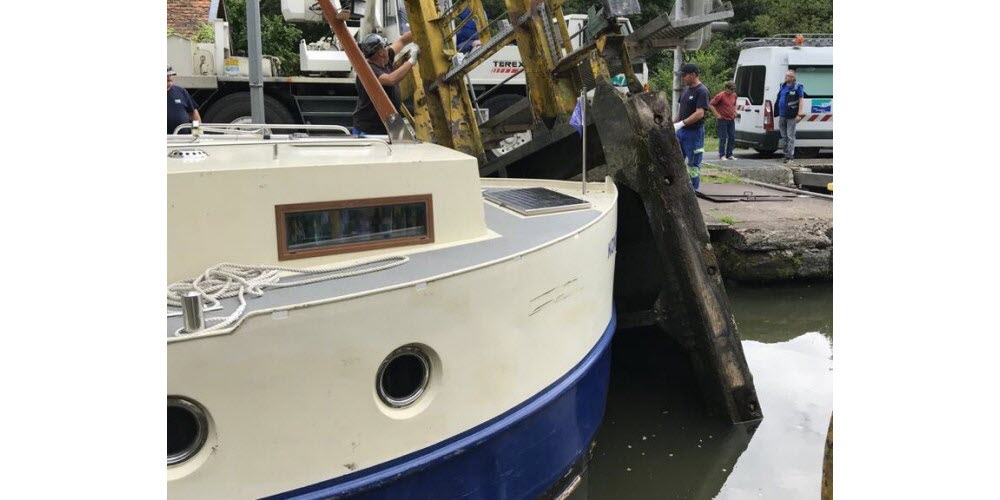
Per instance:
(790,94)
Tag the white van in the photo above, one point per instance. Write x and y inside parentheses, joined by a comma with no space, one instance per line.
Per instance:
(760,72)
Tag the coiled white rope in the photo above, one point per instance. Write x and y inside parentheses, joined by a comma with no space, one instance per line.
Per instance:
(226,280)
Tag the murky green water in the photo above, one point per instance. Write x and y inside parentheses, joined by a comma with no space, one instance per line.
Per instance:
(658,442)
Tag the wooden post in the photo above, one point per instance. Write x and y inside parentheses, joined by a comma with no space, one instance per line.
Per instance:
(826,490)
(391,118)
(642,154)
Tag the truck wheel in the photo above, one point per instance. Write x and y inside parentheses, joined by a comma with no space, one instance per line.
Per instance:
(496,105)
(235,108)
(765,152)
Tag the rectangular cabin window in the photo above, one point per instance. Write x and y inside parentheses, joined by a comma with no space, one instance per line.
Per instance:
(326,228)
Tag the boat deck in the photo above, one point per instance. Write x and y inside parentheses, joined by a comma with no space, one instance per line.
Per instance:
(516,235)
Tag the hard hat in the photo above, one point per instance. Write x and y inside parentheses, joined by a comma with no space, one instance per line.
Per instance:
(370,45)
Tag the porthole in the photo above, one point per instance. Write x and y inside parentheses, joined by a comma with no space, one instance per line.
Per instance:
(403,376)
(187,429)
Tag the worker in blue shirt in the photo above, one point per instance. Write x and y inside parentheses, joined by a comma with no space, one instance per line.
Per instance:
(467,38)
(689,124)
(180,106)
(790,113)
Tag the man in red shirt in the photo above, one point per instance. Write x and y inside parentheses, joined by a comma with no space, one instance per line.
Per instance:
(723,106)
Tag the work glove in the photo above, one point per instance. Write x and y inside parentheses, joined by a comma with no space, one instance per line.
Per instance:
(679,125)
(413,54)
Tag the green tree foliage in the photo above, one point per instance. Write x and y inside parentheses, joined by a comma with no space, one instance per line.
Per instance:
(494,8)
(799,16)
(278,38)
(205,33)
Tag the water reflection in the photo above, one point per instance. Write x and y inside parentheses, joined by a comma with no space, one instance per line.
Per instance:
(657,440)
(795,385)
(782,312)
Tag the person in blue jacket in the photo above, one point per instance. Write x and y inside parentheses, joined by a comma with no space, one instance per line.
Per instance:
(790,113)
(467,38)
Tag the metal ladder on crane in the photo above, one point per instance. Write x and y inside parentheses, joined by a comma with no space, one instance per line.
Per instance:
(537,27)
(665,31)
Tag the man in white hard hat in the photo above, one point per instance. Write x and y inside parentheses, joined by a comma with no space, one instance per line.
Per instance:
(180,106)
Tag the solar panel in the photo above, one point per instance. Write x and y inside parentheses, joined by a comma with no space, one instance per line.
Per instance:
(534,201)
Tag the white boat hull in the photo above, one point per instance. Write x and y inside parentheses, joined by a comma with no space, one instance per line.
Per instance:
(292,400)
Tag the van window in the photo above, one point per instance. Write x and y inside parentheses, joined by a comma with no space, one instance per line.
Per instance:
(817,80)
(750,83)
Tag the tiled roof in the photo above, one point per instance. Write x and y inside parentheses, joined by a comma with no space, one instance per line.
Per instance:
(184,16)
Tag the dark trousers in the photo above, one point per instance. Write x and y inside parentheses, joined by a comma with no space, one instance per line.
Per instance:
(727,137)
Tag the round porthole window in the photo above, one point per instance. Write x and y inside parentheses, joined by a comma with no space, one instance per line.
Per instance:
(403,376)
(187,429)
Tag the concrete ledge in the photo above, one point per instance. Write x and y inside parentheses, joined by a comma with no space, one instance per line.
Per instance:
(772,241)
(776,256)
(757,170)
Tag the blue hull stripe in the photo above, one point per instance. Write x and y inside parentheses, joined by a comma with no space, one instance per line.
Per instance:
(515,455)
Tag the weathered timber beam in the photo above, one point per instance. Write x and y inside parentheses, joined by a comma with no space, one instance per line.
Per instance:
(643,155)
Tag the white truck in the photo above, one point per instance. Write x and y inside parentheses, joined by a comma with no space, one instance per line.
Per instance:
(760,72)
(325,92)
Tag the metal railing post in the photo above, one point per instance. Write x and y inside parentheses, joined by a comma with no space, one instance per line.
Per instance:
(256,71)
(583,120)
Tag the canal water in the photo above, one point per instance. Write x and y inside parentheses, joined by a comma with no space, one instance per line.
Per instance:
(658,441)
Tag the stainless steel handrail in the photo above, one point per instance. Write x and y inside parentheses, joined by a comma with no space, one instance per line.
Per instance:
(258,128)
(292,141)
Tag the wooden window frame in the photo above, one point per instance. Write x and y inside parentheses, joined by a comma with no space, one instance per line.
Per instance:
(280,211)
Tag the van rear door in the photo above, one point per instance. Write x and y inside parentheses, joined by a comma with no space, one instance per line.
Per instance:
(750,92)
(750,106)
